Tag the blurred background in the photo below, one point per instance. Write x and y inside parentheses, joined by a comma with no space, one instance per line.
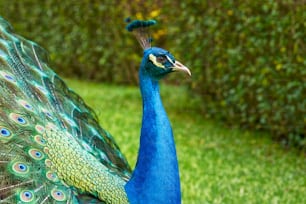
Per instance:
(248,58)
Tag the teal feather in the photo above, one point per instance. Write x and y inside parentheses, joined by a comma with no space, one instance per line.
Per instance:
(139,24)
(53,149)
(33,96)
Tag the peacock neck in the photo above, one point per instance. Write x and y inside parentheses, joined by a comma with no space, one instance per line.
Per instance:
(156,175)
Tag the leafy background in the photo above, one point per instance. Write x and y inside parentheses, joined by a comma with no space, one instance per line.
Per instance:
(247,57)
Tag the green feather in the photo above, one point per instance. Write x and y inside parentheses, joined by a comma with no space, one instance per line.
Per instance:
(53,149)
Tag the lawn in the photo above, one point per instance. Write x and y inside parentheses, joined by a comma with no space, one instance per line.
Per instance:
(217,164)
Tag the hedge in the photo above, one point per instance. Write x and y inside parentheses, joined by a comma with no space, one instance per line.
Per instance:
(249,63)
(247,57)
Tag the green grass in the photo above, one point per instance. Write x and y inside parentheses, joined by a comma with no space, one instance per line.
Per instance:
(217,164)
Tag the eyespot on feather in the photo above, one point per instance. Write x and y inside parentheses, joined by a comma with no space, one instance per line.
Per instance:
(58,195)
(19,168)
(18,119)
(48,114)
(39,140)
(26,196)
(51,176)
(40,128)
(5,134)
(36,154)
(25,104)
(8,77)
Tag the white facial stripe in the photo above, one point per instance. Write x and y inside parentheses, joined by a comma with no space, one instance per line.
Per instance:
(170,60)
(153,59)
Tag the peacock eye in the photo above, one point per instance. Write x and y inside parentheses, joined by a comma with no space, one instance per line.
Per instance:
(161,59)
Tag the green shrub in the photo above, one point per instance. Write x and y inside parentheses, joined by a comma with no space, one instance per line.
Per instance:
(84,39)
(247,57)
(249,65)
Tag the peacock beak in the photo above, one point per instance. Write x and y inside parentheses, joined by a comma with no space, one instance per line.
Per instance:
(177,66)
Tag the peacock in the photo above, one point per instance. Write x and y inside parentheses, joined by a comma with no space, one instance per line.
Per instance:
(52,148)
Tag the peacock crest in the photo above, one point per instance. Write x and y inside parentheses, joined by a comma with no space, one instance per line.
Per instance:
(140,30)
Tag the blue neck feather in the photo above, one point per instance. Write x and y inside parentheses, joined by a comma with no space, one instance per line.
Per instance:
(156,176)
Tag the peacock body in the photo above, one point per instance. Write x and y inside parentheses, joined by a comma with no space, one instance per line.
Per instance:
(52,147)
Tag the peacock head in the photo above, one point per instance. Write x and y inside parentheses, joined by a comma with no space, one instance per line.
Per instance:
(156,62)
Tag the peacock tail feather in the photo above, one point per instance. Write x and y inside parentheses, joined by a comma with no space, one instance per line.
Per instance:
(44,127)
